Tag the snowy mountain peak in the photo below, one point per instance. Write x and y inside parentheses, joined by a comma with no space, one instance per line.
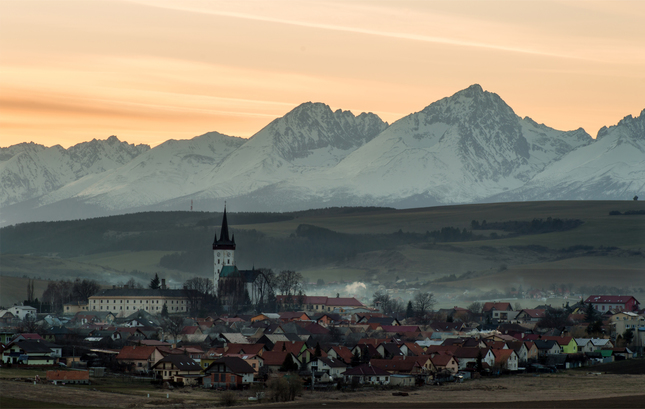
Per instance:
(313,125)
(628,126)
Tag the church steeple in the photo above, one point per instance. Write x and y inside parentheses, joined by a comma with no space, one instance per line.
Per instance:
(223,253)
(224,241)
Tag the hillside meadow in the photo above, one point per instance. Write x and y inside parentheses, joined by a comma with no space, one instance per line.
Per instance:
(372,245)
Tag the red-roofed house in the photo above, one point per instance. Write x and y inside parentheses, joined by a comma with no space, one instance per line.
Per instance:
(506,359)
(445,363)
(497,310)
(530,315)
(605,303)
(139,358)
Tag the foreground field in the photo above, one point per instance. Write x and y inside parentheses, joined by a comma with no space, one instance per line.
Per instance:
(573,389)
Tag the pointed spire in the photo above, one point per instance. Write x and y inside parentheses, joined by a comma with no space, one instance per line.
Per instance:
(223,235)
(224,241)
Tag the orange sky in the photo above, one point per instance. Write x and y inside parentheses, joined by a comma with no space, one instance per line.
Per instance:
(151,70)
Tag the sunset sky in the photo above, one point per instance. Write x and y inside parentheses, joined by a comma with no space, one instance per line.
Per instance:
(152,70)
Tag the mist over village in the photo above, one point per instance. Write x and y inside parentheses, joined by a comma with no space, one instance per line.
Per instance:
(347,204)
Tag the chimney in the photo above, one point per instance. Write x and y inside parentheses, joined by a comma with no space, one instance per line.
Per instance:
(163,283)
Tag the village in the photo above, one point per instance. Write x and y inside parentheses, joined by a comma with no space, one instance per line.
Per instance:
(168,338)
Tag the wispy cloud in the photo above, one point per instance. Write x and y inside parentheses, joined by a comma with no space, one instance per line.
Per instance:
(211,9)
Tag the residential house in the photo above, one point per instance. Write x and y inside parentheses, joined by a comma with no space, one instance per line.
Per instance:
(229,372)
(331,366)
(624,321)
(497,311)
(445,363)
(547,347)
(506,359)
(177,368)
(139,358)
(366,374)
(26,352)
(585,345)
(530,315)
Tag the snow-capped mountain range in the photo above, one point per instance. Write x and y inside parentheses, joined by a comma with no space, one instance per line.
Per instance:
(470,147)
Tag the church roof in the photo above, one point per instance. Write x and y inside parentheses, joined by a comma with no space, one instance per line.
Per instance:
(229,271)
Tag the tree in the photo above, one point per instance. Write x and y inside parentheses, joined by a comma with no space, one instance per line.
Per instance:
(29,324)
(58,293)
(517,306)
(475,307)
(628,336)
(83,290)
(479,363)
(155,283)
(387,304)
(289,283)
(317,351)
(595,328)
(198,290)
(289,365)
(423,304)
(264,288)
(30,290)
(132,283)
(173,325)
(591,314)
(409,311)
(164,311)
(554,318)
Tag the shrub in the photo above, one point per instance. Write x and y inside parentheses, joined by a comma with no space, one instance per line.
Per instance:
(228,398)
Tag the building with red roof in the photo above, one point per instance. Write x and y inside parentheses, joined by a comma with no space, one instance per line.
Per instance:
(604,303)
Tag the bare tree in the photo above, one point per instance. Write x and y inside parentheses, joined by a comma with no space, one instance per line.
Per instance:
(423,304)
(132,283)
(387,303)
(83,290)
(263,287)
(58,293)
(173,326)
(198,290)
(29,324)
(475,307)
(289,283)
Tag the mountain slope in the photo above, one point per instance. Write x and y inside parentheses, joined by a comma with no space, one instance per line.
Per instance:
(308,139)
(30,170)
(459,149)
(611,167)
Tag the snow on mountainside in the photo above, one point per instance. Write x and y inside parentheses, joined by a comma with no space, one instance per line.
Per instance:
(612,167)
(459,149)
(171,169)
(309,138)
(28,170)
(469,147)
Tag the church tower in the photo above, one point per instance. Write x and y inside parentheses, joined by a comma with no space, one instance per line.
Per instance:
(223,252)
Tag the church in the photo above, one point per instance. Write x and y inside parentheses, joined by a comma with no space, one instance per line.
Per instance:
(233,286)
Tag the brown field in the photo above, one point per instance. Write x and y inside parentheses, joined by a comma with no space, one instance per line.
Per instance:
(13,290)
(572,389)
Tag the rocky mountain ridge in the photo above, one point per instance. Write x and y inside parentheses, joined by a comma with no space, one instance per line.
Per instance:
(469,147)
